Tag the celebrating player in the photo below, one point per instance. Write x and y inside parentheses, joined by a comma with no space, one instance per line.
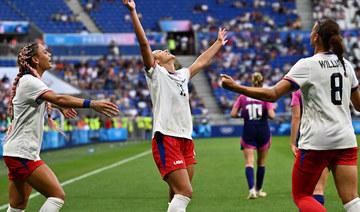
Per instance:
(21,150)
(172,145)
(256,135)
(328,85)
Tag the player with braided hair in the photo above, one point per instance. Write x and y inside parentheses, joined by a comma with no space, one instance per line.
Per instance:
(22,146)
(328,86)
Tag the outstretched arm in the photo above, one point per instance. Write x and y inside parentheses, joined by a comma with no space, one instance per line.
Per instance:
(263,94)
(66,101)
(205,58)
(69,113)
(145,48)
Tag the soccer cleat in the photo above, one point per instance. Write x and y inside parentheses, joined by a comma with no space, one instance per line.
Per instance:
(261,193)
(252,194)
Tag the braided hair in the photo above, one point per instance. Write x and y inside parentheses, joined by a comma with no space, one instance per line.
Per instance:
(24,62)
(329,31)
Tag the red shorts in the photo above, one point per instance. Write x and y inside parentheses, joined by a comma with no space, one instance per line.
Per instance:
(309,165)
(172,153)
(20,168)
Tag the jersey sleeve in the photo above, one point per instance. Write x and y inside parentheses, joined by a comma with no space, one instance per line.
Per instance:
(295,100)
(299,74)
(150,72)
(354,81)
(270,105)
(237,103)
(35,88)
(185,72)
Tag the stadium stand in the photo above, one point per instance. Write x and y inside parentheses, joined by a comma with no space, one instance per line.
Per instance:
(49,16)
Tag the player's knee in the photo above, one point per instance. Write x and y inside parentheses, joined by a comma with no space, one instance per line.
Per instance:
(59,194)
(188,192)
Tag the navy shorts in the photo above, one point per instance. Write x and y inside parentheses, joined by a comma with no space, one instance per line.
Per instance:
(256,136)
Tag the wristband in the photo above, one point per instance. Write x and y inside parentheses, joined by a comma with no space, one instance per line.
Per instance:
(86,103)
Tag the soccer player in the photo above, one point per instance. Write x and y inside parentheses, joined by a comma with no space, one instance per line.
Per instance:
(328,85)
(172,144)
(256,135)
(29,99)
(296,104)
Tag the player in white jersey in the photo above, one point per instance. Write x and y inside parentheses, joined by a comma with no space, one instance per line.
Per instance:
(328,85)
(24,136)
(173,147)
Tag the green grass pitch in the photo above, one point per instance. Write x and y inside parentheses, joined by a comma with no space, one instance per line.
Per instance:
(219,181)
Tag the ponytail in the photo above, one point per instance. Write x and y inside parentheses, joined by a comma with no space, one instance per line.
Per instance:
(257,79)
(329,31)
(337,46)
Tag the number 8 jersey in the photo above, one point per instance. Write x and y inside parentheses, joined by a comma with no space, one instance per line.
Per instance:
(326,120)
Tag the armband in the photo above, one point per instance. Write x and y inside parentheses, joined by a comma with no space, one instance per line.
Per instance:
(86,103)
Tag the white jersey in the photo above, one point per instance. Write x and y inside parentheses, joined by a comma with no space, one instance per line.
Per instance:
(25,138)
(170,99)
(326,120)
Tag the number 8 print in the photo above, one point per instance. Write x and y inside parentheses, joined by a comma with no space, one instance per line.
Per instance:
(336,88)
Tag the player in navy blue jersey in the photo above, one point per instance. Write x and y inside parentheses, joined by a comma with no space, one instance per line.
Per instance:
(256,135)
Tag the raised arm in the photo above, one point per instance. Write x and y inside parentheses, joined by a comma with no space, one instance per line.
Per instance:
(263,94)
(205,58)
(145,48)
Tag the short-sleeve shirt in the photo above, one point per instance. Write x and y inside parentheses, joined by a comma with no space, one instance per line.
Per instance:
(326,120)
(25,138)
(253,111)
(170,98)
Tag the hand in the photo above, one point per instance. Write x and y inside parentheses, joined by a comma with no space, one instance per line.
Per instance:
(222,36)
(130,4)
(227,82)
(69,113)
(104,107)
(294,149)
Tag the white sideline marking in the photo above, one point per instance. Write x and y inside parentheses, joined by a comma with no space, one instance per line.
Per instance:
(90,173)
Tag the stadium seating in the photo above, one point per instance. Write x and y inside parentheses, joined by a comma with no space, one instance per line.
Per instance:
(8,13)
(41,11)
(109,15)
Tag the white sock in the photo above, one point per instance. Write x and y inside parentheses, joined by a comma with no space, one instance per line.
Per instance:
(52,204)
(10,209)
(353,205)
(178,203)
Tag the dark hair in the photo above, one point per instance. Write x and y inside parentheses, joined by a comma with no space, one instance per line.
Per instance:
(25,66)
(329,31)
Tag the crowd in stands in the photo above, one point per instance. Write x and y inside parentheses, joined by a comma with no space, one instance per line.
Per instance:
(346,12)
(261,17)
(121,81)
(61,16)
